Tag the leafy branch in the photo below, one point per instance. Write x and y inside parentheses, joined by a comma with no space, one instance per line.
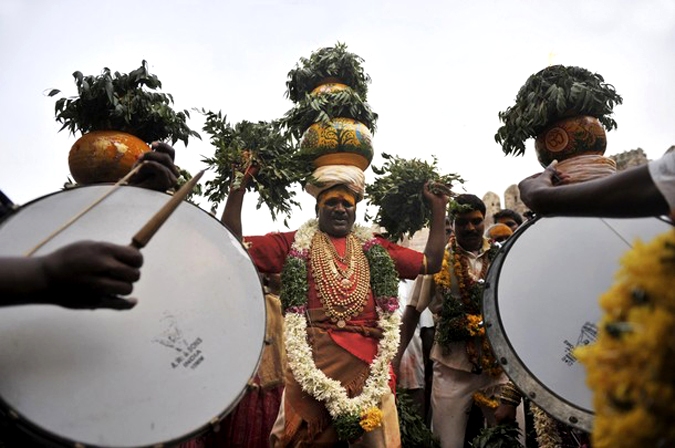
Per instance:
(398,194)
(249,144)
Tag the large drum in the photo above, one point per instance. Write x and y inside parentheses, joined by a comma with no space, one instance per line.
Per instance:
(158,374)
(541,301)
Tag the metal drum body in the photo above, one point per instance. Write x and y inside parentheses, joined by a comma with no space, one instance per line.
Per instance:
(541,301)
(160,373)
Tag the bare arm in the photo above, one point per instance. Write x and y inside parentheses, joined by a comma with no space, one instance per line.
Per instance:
(232,213)
(408,326)
(435,247)
(629,193)
(235,200)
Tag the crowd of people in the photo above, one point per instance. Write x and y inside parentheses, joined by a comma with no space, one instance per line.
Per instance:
(330,376)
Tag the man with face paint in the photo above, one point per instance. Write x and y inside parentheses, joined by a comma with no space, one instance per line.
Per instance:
(331,291)
(464,369)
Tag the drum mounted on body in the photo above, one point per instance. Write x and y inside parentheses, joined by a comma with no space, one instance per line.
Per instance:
(161,373)
(541,301)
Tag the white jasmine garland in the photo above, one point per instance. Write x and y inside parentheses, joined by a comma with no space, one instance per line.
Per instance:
(310,378)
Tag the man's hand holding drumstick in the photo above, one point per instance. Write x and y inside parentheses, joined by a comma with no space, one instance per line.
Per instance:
(90,274)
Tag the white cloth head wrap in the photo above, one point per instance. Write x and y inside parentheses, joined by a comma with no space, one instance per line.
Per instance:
(328,176)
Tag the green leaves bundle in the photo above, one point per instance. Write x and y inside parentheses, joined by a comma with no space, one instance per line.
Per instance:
(413,429)
(248,144)
(326,106)
(397,194)
(551,94)
(499,436)
(327,62)
(123,102)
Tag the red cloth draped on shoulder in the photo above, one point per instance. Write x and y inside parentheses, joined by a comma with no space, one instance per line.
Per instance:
(342,354)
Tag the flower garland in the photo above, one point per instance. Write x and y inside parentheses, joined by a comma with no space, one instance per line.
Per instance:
(461,319)
(351,416)
(631,367)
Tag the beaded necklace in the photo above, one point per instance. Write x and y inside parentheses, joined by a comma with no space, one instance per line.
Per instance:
(351,415)
(342,292)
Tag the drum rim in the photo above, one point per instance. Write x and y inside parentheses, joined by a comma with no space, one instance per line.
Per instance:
(513,365)
(39,434)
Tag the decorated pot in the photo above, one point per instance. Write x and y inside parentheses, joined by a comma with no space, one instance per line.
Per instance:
(341,141)
(104,156)
(329,87)
(569,137)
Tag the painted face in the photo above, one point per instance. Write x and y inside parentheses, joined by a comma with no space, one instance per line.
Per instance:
(469,228)
(337,212)
(513,225)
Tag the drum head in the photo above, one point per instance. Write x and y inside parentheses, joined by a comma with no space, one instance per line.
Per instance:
(160,373)
(541,301)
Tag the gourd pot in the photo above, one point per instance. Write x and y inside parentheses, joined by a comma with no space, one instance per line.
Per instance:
(329,86)
(570,137)
(104,156)
(341,141)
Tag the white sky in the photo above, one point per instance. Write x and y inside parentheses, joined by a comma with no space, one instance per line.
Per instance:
(441,70)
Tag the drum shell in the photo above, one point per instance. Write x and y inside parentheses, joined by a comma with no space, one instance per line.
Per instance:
(163,372)
(541,301)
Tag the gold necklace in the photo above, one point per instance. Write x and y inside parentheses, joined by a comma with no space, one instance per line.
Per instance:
(342,291)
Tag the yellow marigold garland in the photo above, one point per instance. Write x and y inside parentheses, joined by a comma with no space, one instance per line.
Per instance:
(631,367)
(460,317)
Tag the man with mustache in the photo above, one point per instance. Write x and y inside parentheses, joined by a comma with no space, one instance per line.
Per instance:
(464,368)
(339,287)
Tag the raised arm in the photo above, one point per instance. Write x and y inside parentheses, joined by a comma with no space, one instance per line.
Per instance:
(435,247)
(629,193)
(232,212)
(235,200)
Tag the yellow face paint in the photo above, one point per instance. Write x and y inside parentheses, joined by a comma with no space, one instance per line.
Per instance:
(338,193)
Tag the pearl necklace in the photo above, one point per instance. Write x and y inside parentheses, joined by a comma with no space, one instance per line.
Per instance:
(343,292)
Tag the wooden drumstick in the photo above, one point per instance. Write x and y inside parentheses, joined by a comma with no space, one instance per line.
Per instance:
(86,209)
(152,226)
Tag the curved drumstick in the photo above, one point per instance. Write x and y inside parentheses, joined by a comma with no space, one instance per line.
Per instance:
(152,226)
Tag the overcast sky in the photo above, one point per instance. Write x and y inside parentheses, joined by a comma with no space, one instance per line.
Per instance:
(441,71)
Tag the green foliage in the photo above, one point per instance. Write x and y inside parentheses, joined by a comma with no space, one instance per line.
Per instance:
(123,102)
(455,209)
(183,178)
(294,288)
(398,194)
(326,106)
(553,93)
(414,431)
(246,145)
(500,436)
(327,62)
(383,276)
(347,427)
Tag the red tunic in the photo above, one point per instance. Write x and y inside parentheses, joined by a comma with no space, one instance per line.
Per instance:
(342,354)
(269,254)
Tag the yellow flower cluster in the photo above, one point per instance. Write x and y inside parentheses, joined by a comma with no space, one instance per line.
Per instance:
(443,278)
(475,324)
(371,418)
(631,367)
